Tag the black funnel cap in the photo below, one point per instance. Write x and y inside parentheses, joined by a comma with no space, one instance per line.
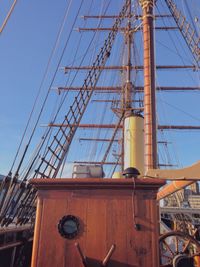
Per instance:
(131,172)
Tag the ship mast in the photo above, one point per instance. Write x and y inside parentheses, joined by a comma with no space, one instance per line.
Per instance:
(133,125)
(150,146)
(128,85)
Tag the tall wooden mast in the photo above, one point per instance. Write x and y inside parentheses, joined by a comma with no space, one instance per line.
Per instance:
(133,145)
(128,85)
(150,146)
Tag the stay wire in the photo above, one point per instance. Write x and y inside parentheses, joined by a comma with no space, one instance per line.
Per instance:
(86,52)
(76,73)
(54,76)
(71,64)
(39,91)
(73,79)
(8,16)
(42,108)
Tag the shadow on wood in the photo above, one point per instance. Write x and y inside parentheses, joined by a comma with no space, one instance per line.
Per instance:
(112,263)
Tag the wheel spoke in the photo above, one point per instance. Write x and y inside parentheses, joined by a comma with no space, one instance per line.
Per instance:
(186,246)
(168,247)
(176,245)
(167,257)
(166,260)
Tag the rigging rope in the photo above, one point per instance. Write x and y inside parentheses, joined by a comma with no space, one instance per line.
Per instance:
(54,76)
(39,91)
(62,139)
(8,16)
(188,33)
(10,195)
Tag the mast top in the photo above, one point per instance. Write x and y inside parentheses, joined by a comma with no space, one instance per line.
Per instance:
(146,3)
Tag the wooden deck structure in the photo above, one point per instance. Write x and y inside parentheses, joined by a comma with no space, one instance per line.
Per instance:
(118,223)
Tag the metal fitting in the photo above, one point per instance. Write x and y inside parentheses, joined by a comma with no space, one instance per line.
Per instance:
(146,3)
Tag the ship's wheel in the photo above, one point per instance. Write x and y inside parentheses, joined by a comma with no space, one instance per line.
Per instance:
(179,249)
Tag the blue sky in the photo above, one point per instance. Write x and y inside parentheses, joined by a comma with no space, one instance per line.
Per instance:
(25,46)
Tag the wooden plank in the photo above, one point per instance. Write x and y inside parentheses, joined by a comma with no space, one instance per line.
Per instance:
(96,228)
(117,229)
(37,232)
(77,206)
(51,250)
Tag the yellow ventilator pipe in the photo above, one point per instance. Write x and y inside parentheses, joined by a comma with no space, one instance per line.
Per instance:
(134,142)
(117,175)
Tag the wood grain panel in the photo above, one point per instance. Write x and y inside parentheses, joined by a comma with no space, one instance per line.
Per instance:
(96,229)
(52,245)
(107,211)
(117,228)
(37,232)
(77,207)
